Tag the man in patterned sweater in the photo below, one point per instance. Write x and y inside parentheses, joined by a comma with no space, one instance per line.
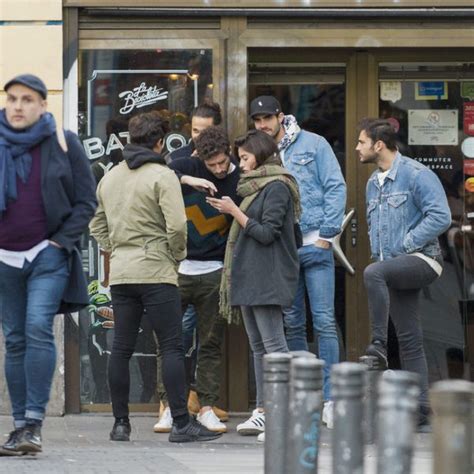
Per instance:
(211,172)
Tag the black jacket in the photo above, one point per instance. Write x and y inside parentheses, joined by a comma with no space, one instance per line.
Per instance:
(183,152)
(68,191)
(265,264)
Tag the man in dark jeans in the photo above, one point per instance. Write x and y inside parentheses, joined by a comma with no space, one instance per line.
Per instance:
(203,116)
(211,172)
(407,210)
(141,221)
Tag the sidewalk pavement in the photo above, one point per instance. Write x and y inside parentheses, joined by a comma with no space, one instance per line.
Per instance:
(80,444)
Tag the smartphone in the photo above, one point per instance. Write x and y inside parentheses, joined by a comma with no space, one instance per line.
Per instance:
(216,195)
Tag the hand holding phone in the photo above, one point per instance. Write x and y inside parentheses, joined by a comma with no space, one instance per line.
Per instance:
(214,194)
(225,205)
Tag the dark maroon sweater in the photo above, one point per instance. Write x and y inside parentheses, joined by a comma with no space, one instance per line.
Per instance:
(24,222)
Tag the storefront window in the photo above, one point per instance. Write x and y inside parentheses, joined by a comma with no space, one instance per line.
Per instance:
(115,85)
(432,107)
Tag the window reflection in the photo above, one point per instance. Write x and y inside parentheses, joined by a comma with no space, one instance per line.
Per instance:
(115,85)
(427,102)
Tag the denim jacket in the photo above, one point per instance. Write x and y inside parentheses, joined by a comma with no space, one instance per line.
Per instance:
(409,211)
(310,159)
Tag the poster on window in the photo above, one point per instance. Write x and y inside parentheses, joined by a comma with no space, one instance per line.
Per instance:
(433,127)
(468,118)
(431,90)
(391,90)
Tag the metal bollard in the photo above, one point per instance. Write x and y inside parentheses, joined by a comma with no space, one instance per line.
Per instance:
(302,354)
(452,402)
(347,385)
(396,420)
(276,395)
(276,375)
(372,377)
(305,404)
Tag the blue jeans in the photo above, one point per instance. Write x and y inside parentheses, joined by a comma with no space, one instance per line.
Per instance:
(189,325)
(318,278)
(29,299)
(190,342)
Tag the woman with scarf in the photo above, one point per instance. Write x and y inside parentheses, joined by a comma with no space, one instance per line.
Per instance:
(261,266)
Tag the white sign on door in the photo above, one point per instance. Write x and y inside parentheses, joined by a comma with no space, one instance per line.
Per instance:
(433,127)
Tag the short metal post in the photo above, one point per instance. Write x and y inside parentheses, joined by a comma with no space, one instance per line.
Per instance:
(453,404)
(302,353)
(276,376)
(396,420)
(347,387)
(372,377)
(306,400)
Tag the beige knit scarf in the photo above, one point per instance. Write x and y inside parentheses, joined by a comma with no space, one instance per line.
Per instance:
(249,187)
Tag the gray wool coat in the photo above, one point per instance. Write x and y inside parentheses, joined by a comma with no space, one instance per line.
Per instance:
(265,264)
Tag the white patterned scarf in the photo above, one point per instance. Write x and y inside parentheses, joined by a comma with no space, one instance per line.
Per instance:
(292,130)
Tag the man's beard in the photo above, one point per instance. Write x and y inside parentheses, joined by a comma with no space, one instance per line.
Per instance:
(370,159)
(275,134)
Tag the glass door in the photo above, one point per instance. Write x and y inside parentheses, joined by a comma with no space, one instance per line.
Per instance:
(115,85)
(315,94)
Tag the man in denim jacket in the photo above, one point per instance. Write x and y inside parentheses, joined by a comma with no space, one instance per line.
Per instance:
(407,210)
(310,159)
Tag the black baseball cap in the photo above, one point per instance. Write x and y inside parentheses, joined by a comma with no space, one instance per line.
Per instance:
(28,80)
(264,105)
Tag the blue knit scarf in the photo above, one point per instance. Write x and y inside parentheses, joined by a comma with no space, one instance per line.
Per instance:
(15,159)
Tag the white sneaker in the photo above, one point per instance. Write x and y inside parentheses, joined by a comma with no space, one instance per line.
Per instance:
(328,414)
(254,425)
(261,437)
(164,422)
(211,422)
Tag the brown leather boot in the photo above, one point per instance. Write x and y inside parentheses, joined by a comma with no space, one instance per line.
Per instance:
(193,403)
(221,414)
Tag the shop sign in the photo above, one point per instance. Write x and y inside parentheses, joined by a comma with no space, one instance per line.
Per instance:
(467,147)
(468,118)
(391,90)
(101,92)
(94,147)
(433,127)
(436,162)
(431,90)
(141,96)
(467,90)
(469,167)
(469,185)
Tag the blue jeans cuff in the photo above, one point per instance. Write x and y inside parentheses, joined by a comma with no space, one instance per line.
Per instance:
(34,415)
(19,423)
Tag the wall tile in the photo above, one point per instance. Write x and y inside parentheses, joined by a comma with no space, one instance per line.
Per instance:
(32,48)
(30,10)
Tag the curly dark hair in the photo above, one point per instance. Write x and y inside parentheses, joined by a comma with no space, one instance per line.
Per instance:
(211,142)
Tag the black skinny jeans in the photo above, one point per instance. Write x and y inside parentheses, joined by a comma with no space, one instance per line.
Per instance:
(393,287)
(163,310)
